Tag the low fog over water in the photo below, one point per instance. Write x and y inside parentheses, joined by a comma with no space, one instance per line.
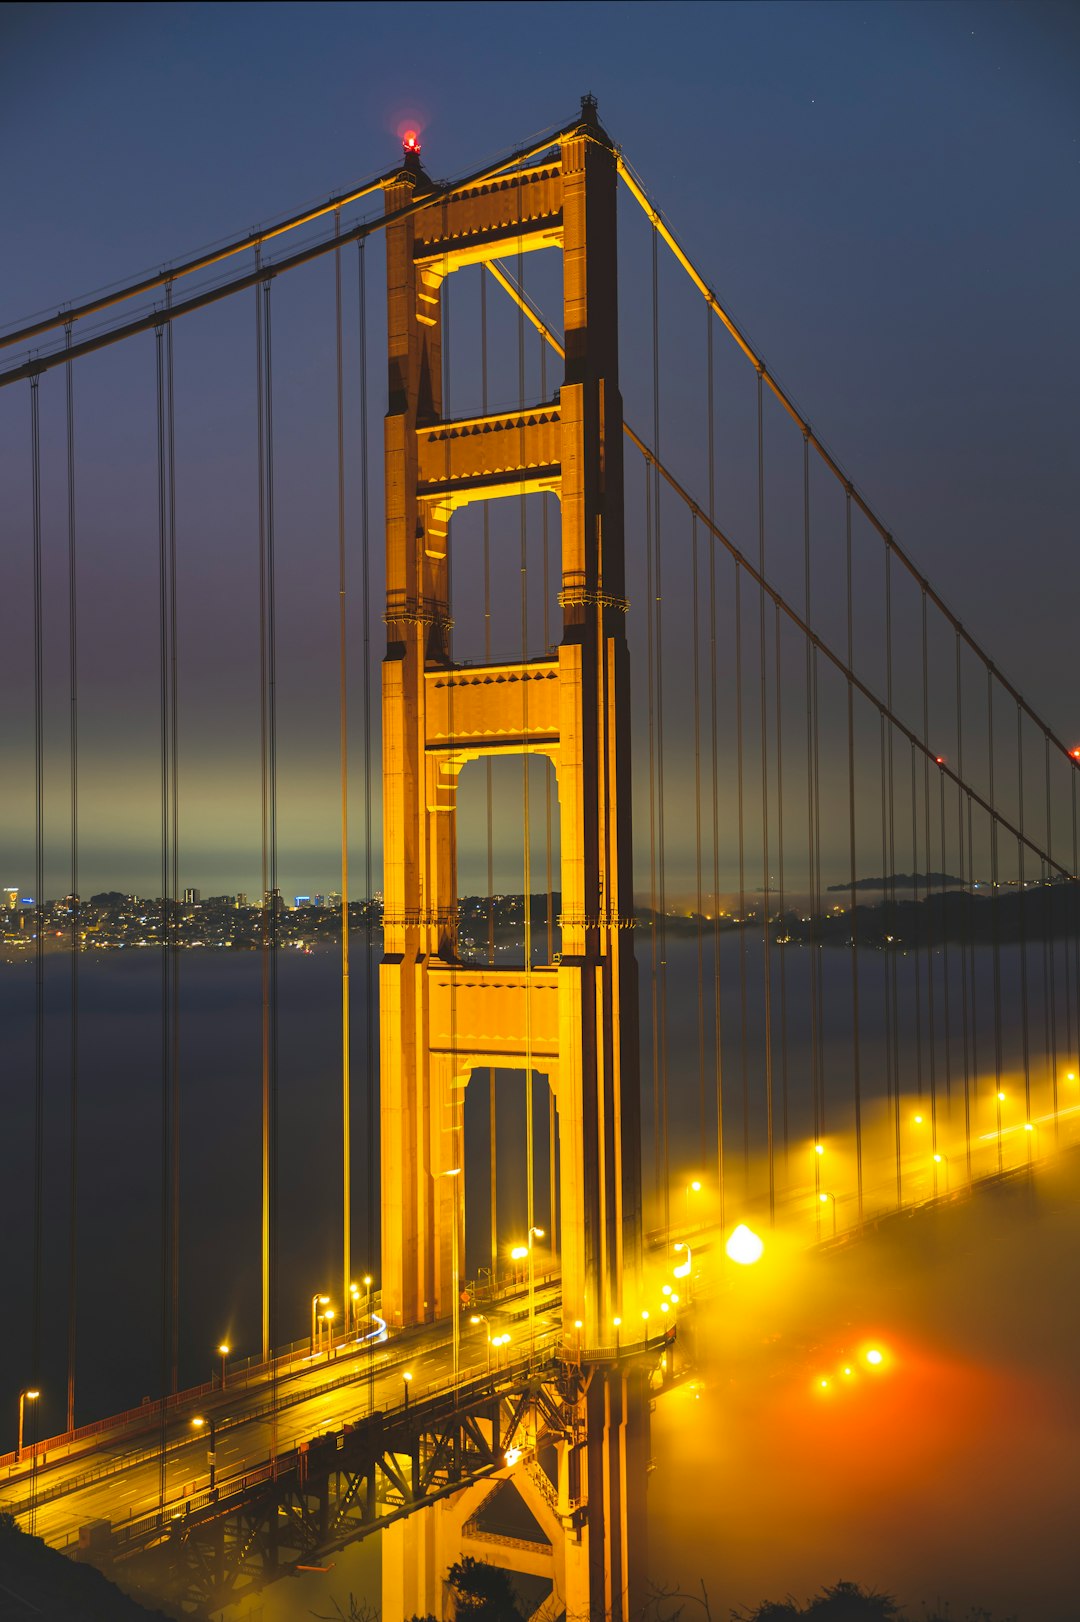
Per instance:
(950,1471)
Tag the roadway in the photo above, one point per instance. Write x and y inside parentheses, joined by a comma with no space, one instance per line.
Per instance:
(122,1478)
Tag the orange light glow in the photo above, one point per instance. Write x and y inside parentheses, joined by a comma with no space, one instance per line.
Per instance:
(410,142)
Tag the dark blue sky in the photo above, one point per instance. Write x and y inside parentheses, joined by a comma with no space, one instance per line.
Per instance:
(886,196)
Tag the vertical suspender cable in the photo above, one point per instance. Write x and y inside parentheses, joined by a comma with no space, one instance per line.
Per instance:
(886,956)
(493,1185)
(699,931)
(766,938)
(1022,900)
(273,924)
(743,1054)
(996,915)
(371,1079)
(967,937)
(1048,913)
(811,836)
(781,890)
(928,907)
(39,903)
(660,839)
(530,1145)
(856,1054)
(890,869)
(260,387)
(174,870)
(714,708)
(166,1007)
(650,653)
(549,899)
(343,739)
(73,773)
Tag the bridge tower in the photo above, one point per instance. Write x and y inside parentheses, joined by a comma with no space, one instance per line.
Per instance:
(575,1021)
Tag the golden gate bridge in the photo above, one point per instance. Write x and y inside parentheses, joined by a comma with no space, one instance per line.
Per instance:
(750,758)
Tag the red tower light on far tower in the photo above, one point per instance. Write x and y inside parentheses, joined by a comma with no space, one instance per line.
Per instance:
(410,144)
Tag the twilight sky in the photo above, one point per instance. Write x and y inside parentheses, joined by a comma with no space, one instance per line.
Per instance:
(884,195)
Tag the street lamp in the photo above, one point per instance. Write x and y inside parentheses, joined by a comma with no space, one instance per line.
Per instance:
(693,1187)
(371,1340)
(824,1200)
(685,1268)
(406,1380)
(211,1453)
(318,1300)
(941,1160)
(29,1395)
(618,1325)
(354,1306)
(743,1246)
(328,1320)
(223,1351)
(1033,1130)
(454,1171)
(999,1100)
(577,1326)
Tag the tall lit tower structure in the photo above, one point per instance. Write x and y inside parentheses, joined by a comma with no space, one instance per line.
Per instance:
(576,1021)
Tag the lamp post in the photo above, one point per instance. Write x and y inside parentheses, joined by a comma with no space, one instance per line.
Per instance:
(354,1306)
(999,1100)
(29,1395)
(824,1199)
(618,1325)
(211,1453)
(454,1171)
(577,1326)
(371,1340)
(328,1320)
(318,1300)
(819,1150)
(1033,1138)
(406,1380)
(941,1160)
(223,1351)
(685,1269)
(693,1187)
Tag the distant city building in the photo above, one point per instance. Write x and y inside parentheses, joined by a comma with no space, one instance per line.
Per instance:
(241,899)
(192,896)
(301,901)
(318,901)
(11,896)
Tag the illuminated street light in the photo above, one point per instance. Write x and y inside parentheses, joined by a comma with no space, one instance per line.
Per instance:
(618,1325)
(318,1300)
(223,1351)
(211,1452)
(824,1200)
(875,1357)
(1033,1138)
(744,1246)
(26,1396)
(406,1380)
(941,1160)
(354,1309)
(328,1319)
(371,1341)
(692,1187)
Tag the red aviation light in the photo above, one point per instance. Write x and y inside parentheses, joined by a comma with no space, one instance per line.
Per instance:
(410,143)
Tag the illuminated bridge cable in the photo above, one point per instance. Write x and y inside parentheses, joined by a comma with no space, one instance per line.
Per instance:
(174,872)
(995,905)
(928,903)
(781,879)
(343,750)
(714,700)
(891,914)
(165,1169)
(743,1055)
(886,957)
(658,606)
(274,907)
(549,897)
(856,1048)
(264,810)
(76,923)
(661,226)
(37,1309)
(766,877)
(1049,934)
(370,1059)
(1022,897)
(699,903)
(811,826)
(493,1186)
(967,878)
